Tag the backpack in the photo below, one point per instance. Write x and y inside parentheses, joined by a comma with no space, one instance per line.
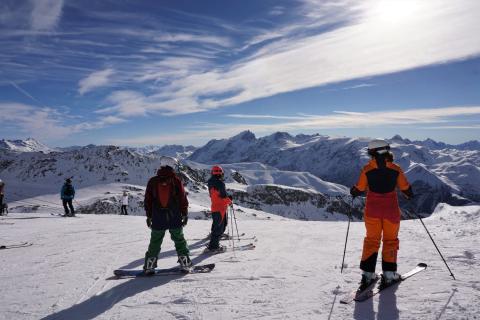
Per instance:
(69,192)
(164,180)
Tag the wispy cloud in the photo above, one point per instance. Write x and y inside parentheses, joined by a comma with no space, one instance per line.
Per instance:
(95,80)
(358,86)
(45,14)
(201,132)
(368,45)
(47,123)
(265,116)
(346,119)
(24,92)
(277,10)
(199,38)
(453,127)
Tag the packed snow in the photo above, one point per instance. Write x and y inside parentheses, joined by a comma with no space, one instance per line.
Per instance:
(294,272)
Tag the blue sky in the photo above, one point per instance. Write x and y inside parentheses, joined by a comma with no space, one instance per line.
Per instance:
(130,72)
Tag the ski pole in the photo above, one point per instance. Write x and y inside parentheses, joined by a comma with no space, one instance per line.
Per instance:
(346,237)
(233,236)
(235,218)
(431,238)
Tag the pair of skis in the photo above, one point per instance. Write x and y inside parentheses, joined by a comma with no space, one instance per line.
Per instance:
(244,247)
(372,290)
(226,237)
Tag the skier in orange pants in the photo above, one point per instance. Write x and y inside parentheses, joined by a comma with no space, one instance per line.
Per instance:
(380,178)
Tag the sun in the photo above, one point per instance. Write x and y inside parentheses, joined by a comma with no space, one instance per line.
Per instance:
(396,11)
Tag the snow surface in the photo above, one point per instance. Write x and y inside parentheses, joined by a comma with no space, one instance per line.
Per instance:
(294,273)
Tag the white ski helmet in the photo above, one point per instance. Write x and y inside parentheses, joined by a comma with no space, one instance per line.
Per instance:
(378,146)
(168,162)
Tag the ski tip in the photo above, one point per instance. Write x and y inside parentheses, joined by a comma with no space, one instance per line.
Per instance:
(422,265)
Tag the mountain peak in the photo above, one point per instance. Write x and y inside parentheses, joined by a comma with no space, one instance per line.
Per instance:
(279,135)
(246,135)
(26,145)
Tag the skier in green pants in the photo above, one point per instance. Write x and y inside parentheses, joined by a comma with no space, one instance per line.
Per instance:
(166,207)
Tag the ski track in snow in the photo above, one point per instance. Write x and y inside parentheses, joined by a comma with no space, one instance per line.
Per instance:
(294,272)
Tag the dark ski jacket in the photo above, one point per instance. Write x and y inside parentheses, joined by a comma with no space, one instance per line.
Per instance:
(165,200)
(63,194)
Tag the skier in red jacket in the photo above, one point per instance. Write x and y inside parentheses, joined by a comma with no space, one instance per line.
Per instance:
(220,202)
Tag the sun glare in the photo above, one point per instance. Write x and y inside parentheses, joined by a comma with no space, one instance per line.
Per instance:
(395,11)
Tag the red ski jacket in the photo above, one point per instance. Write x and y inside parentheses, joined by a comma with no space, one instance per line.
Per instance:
(218,196)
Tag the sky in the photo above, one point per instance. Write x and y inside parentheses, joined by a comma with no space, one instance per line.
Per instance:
(157,72)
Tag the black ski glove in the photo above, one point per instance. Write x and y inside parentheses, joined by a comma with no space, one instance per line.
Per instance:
(408,193)
(354,192)
(149,222)
(184,220)
(230,197)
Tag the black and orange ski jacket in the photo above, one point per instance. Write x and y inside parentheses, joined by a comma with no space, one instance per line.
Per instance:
(380,182)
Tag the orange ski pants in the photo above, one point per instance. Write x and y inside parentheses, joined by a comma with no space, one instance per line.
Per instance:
(376,228)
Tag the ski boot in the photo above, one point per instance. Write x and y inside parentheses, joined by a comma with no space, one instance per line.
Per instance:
(220,249)
(225,236)
(389,278)
(367,279)
(185,263)
(150,265)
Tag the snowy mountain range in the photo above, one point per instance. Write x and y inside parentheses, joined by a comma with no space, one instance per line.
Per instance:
(173,150)
(102,173)
(304,176)
(448,174)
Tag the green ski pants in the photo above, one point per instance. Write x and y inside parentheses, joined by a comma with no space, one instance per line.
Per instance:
(156,240)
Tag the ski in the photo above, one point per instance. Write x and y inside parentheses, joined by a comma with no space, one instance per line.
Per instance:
(223,237)
(355,294)
(16,245)
(420,267)
(254,238)
(124,273)
(249,246)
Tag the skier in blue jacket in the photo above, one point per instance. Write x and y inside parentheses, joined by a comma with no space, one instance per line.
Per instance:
(67,194)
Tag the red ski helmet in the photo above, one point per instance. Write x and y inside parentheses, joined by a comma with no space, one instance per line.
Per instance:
(217,170)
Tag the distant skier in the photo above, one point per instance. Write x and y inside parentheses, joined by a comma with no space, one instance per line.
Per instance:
(67,195)
(2,196)
(380,178)
(124,203)
(220,202)
(166,207)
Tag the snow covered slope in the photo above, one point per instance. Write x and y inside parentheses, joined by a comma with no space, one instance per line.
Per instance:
(294,272)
